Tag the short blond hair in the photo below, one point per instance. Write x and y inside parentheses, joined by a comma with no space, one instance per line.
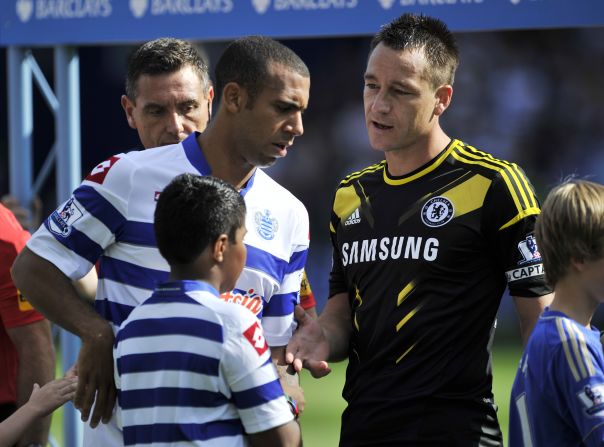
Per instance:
(570,227)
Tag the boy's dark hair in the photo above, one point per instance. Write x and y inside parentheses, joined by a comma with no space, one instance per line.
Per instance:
(419,32)
(570,227)
(192,211)
(246,62)
(164,56)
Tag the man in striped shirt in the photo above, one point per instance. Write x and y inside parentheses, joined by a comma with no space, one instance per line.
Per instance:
(109,218)
(558,394)
(191,369)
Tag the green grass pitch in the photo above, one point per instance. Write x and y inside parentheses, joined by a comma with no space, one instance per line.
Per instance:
(324,404)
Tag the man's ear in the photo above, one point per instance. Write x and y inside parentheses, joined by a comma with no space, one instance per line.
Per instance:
(210,96)
(234,97)
(219,248)
(443,96)
(128,107)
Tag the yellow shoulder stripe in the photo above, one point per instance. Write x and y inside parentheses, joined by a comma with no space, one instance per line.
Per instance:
(367,170)
(516,182)
(521,215)
(516,173)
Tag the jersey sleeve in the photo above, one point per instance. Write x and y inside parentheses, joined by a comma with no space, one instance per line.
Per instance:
(577,378)
(76,234)
(511,209)
(278,312)
(251,376)
(15,311)
(337,282)
(307,297)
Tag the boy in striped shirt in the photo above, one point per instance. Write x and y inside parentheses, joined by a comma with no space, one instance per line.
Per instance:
(558,393)
(191,369)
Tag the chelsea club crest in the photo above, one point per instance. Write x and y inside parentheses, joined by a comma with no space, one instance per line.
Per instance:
(266,224)
(437,211)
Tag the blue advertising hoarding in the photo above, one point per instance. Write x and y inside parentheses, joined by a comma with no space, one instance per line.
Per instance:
(81,22)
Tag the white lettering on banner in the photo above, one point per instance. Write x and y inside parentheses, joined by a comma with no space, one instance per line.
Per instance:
(72,9)
(409,247)
(387,4)
(24,9)
(284,5)
(524,272)
(261,5)
(189,7)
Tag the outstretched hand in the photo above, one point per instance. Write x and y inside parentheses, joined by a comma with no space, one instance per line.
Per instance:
(51,396)
(308,348)
(95,380)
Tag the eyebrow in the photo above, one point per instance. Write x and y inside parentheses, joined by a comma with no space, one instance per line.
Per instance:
(290,103)
(402,84)
(153,105)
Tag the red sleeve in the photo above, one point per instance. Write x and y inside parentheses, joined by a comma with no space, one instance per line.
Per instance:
(307,298)
(14,309)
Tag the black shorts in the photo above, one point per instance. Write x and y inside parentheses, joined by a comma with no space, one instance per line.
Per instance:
(435,422)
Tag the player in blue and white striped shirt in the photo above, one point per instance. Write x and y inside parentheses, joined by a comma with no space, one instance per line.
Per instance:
(109,219)
(558,394)
(190,368)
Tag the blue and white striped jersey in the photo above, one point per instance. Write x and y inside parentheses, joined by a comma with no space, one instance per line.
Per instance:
(109,221)
(193,370)
(558,394)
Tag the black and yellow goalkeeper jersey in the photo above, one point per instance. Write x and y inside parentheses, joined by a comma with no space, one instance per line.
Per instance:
(425,259)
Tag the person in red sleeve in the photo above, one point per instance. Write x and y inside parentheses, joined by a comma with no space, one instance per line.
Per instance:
(26,349)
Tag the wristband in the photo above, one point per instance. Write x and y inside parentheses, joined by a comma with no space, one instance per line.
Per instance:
(293,406)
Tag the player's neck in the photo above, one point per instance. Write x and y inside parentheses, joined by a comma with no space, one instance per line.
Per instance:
(571,299)
(408,159)
(189,272)
(218,153)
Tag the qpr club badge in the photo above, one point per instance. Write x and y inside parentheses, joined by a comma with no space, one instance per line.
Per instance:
(437,211)
(266,225)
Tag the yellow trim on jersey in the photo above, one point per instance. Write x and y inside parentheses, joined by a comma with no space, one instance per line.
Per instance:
(331,228)
(567,354)
(502,172)
(358,298)
(531,201)
(402,296)
(518,217)
(408,317)
(435,164)
(367,170)
(469,195)
(406,352)
(581,352)
(511,175)
(346,202)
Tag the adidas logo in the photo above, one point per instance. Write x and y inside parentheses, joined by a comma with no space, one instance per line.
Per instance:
(354,218)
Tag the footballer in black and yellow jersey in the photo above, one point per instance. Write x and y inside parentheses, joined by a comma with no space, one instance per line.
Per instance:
(425,278)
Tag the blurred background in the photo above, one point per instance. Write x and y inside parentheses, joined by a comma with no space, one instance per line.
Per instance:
(532,97)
